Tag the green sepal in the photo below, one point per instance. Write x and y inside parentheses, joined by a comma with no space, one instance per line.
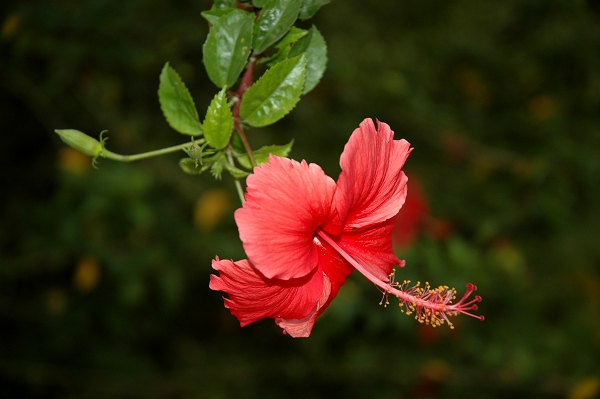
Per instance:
(218,123)
(310,7)
(228,46)
(196,152)
(213,16)
(177,104)
(315,48)
(275,94)
(262,154)
(195,166)
(192,166)
(217,163)
(276,18)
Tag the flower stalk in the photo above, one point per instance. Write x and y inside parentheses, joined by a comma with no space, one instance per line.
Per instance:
(136,157)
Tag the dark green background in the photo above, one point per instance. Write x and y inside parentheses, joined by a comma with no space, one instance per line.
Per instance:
(501,101)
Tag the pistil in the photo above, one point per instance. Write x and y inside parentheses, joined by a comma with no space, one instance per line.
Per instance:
(430,305)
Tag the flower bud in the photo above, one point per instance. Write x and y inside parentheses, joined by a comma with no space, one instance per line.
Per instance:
(80,141)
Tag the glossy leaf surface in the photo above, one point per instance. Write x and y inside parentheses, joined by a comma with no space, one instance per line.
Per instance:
(285,44)
(275,93)
(315,48)
(310,8)
(275,19)
(228,46)
(221,4)
(213,16)
(293,35)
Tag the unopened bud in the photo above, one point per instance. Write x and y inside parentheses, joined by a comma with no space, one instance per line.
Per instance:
(81,141)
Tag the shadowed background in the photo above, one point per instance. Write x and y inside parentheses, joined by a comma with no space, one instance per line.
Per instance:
(104,273)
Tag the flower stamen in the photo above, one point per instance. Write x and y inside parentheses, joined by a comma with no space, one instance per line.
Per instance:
(431,305)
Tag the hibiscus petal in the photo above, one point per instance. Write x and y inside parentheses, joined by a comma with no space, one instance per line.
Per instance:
(252,297)
(372,247)
(286,201)
(372,186)
(301,328)
(335,271)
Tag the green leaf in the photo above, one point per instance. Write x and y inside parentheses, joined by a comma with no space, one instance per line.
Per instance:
(218,123)
(236,142)
(259,3)
(221,4)
(213,16)
(310,8)
(275,93)
(276,18)
(291,37)
(235,172)
(227,47)
(285,44)
(262,154)
(177,104)
(315,48)
(279,56)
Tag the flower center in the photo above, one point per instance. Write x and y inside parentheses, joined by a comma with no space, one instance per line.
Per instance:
(430,305)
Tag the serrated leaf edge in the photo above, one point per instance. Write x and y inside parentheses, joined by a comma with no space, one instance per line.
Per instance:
(179,101)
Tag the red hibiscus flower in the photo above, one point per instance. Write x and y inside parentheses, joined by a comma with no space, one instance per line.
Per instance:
(304,234)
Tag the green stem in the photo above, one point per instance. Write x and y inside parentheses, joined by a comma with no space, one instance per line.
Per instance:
(130,158)
(238,185)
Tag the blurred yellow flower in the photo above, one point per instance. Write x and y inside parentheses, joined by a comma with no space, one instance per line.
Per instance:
(210,208)
(586,388)
(87,274)
(73,161)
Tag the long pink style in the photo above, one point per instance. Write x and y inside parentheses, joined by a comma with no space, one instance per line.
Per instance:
(431,305)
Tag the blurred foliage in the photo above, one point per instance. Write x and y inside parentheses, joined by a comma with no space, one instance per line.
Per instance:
(104,274)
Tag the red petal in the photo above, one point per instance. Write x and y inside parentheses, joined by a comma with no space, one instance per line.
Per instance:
(335,271)
(252,297)
(372,186)
(301,328)
(372,247)
(286,202)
